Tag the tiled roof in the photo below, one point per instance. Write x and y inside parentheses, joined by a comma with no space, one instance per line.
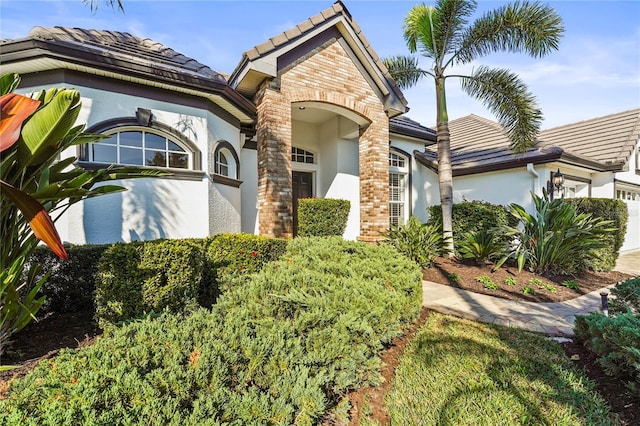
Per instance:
(609,139)
(478,144)
(405,126)
(128,47)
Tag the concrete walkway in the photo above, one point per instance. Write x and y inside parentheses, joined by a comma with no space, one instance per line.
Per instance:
(553,319)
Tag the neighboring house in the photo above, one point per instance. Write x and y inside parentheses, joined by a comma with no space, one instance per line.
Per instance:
(312,112)
(598,158)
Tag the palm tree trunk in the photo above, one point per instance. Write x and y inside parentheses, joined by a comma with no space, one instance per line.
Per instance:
(445,177)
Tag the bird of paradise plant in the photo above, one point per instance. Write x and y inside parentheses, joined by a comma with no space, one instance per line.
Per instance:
(34,182)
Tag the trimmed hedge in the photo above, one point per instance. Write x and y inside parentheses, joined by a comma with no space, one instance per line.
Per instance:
(472,217)
(607,209)
(71,283)
(281,349)
(320,217)
(142,277)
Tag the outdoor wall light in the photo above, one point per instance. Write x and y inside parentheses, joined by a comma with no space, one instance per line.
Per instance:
(301,108)
(555,183)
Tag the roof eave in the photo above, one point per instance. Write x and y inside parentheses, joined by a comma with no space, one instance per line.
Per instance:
(32,49)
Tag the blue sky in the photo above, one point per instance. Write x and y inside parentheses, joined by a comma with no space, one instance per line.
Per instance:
(595,72)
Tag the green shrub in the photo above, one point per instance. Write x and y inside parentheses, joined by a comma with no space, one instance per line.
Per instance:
(555,238)
(232,256)
(321,217)
(71,284)
(482,246)
(487,282)
(472,217)
(625,297)
(280,349)
(142,277)
(604,258)
(616,341)
(420,242)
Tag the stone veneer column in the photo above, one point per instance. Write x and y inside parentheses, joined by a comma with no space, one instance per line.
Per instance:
(273,127)
(374,179)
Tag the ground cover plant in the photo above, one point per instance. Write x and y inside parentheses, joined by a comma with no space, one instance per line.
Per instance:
(281,349)
(459,372)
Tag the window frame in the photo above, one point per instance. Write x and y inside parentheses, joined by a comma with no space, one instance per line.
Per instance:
(231,178)
(400,164)
(121,124)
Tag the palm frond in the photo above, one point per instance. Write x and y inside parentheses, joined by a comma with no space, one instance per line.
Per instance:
(419,30)
(404,70)
(451,20)
(502,92)
(525,27)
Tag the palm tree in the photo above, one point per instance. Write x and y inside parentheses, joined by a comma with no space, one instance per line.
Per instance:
(441,33)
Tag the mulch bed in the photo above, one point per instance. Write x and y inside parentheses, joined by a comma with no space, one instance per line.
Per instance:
(468,272)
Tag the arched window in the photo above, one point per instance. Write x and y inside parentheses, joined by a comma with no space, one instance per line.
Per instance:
(135,147)
(226,164)
(299,155)
(399,185)
(129,143)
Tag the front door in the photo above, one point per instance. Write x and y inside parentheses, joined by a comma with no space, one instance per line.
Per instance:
(302,188)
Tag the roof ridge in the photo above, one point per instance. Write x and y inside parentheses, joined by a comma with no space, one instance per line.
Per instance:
(603,117)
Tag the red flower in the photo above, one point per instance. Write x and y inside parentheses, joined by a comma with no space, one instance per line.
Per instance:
(253,253)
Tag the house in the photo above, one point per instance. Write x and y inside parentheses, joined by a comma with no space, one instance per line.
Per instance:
(310,112)
(597,158)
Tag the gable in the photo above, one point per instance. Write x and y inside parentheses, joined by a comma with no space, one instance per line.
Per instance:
(270,59)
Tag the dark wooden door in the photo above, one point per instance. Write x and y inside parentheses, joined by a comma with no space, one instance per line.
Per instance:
(302,188)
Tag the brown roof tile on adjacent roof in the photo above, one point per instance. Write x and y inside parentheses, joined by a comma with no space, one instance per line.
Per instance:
(125,45)
(610,139)
(478,144)
(403,125)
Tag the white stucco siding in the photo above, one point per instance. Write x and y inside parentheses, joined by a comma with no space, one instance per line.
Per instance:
(225,215)
(502,187)
(249,190)
(149,209)
(156,208)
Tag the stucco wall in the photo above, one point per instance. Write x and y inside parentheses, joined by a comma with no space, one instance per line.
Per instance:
(151,208)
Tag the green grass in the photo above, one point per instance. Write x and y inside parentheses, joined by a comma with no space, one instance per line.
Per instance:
(458,372)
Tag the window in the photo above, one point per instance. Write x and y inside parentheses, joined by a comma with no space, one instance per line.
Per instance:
(225,161)
(299,155)
(398,188)
(139,148)
(222,165)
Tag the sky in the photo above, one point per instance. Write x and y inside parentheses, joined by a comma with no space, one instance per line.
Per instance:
(595,72)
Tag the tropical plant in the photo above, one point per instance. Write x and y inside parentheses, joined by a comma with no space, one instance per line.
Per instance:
(556,238)
(33,134)
(440,33)
(416,240)
(482,246)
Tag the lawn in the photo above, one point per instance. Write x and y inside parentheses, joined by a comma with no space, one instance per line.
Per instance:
(458,372)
